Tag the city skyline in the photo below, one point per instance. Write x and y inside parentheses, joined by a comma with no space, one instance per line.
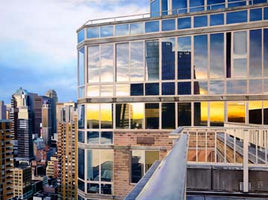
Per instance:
(38,48)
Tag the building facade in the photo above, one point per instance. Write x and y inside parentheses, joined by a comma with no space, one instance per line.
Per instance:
(187,63)
(2,110)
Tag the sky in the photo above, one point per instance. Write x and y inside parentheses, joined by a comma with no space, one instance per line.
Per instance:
(38,42)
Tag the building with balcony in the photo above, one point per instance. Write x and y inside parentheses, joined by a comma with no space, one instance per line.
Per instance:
(186,63)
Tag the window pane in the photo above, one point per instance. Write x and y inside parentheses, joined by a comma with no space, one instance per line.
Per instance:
(106,116)
(150,158)
(237,17)
(259,1)
(155,8)
(93,137)
(123,112)
(200,21)
(216,113)
(200,113)
(265,48)
(106,137)
(81,117)
(81,66)
(196,5)
(266,13)
(93,165)
(92,188)
(216,20)
(81,185)
(121,29)
(137,61)
(168,25)
(179,6)
(255,55)
(168,88)
(265,89)
(81,136)
(164,7)
(106,31)
(81,92)
(240,68)
(184,57)
(255,112)
(184,23)
(137,165)
(136,89)
(200,87)
(255,86)
(216,87)
(168,116)
(107,52)
(106,90)
(81,36)
(93,64)
(106,189)
(152,60)
(256,14)
(122,62)
(122,90)
(136,28)
(93,32)
(168,59)
(92,116)
(107,159)
(184,88)
(152,116)
(184,114)
(93,91)
(237,87)
(81,161)
(235,3)
(236,112)
(217,55)
(240,43)
(200,58)
(265,112)
(137,116)
(215,4)
(151,27)
(151,89)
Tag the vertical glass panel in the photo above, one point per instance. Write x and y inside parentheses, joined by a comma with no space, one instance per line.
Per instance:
(235,3)
(168,88)
(137,165)
(216,87)
(93,32)
(164,7)
(93,165)
(106,31)
(237,17)
(81,116)
(255,112)
(168,116)
(196,5)
(92,116)
(240,43)
(266,13)
(168,25)
(216,113)
(256,14)
(237,87)
(239,67)
(137,61)
(121,29)
(236,112)
(107,63)
(81,92)
(92,188)
(122,62)
(184,23)
(106,90)
(106,189)
(200,21)
(81,66)
(107,160)
(136,89)
(152,116)
(200,113)
(228,54)
(93,91)
(151,88)
(81,185)
(215,4)
(137,28)
(184,114)
(150,158)
(80,198)
(265,52)
(265,112)
(136,115)
(152,26)
(217,55)
(265,89)
(200,57)
(184,57)
(155,8)
(179,6)
(152,60)
(168,59)
(93,137)
(123,112)
(184,88)
(200,87)
(81,136)
(217,19)
(81,163)
(122,90)
(106,137)
(81,36)
(93,64)
(106,115)
(255,53)
(255,86)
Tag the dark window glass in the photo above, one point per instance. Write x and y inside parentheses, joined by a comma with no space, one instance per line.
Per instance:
(122,116)
(92,188)
(93,137)
(179,6)
(152,116)
(168,25)
(137,28)
(184,57)
(184,23)
(184,88)
(216,20)
(265,112)
(215,4)
(237,87)
(265,48)
(152,60)
(168,115)
(255,55)
(81,136)
(136,89)
(217,55)
(259,1)
(81,185)
(201,56)
(228,54)
(200,113)
(237,17)
(106,137)
(235,3)
(196,5)
(93,32)
(200,21)
(81,36)
(81,117)
(151,89)
(255,112)
(168,59)
(265,13)
(168,88)
(121,29)
(164,7)
(80,198)
(184,114)
(151,27)
(106,189)
(81,163)
(106,31)
(155,8)
(256,14)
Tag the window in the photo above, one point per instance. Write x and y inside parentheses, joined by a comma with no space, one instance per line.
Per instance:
(168,116)
(184,88)
(236,87)
(151,27)
(122,62)
(179,6)
(237,17)
(155,8)
(184,23)
(121,29)
(168,88)
(201,56)
(200,113)
(184,114)
(81,66)
(137,28)
(215,4)
(256,14)
(265,53)
(216,113)
(217,19)
(151,89)
(168,59)
(136,89)
(236,112)
(107,63)
(81,36)
(168,25)
(184,57)
(106,31)
(152,60)
(152,116)
(137,61)
(93,64)
(81,136)
(200,21)
(196,5)
(81,163)
(217,55)
(93,32)
(255,53)
(255,112)
(81,116)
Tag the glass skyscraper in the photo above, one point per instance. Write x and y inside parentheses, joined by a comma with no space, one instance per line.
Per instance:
(187,63)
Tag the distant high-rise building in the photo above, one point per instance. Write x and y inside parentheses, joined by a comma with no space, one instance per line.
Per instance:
(54,99)
(67,153)
(6,160)
(46,123)
(2,110)
(52,167)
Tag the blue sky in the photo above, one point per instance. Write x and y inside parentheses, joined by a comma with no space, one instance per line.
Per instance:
(38,41)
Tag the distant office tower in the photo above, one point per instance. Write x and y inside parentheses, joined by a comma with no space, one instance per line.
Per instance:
(67,153)
(54,99)
(6,160)
(2,110)
(52,167)
(46,123)
(22,178)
